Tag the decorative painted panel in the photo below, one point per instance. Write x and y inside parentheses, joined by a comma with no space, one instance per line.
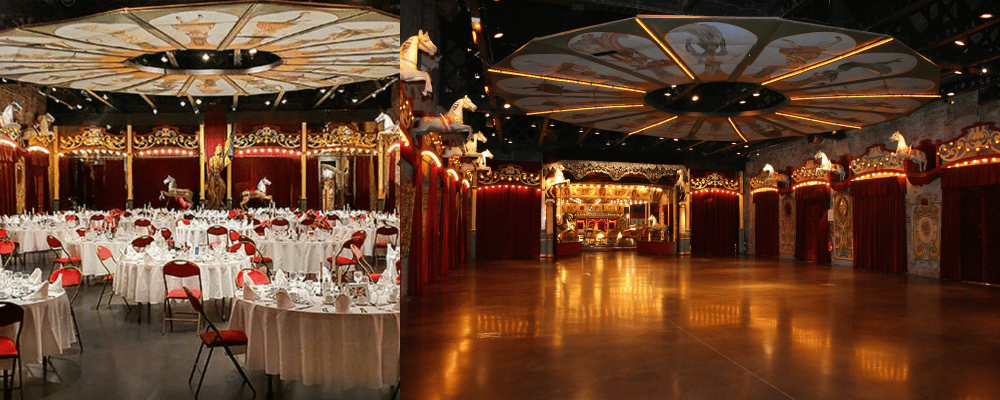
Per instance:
(843,226)
(926,227)
(786,225)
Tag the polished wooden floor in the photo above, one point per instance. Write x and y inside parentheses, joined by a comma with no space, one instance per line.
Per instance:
(624,326)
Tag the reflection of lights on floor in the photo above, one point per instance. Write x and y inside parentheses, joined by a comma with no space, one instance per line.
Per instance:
(811,338)
(882,366)
(713,314)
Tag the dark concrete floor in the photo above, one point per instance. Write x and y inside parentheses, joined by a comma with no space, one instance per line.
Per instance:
(626,326)
(125,360)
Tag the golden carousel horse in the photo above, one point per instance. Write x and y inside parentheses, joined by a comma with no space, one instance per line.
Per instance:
(183,196)
(259,194)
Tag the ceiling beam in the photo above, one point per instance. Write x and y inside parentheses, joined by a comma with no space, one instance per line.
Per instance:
(46,94)
(101,99)
(545,130)
(148,101)
(277,101)
(584,135)
(326,95)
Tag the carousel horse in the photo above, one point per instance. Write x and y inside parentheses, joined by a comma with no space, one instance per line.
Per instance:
(553,178)
(481,161)
(388,125)
(183,196)
(408,55)
(774,176)
(905,152)
(258,194)
(449,123)
(41,129)
(468,149)
(7,117)
(825,166)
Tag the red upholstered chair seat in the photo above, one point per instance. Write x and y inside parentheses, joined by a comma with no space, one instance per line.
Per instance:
(381,244)
(179,293)
(7,347)
(258,259)
(229,337)
(70,276)
(63,260)
(374,276)
(109,277)
(343,260)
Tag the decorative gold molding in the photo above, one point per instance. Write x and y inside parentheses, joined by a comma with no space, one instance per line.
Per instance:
(980,139)
(343,136)
(267,136)
(877,159)
(509,174)
(715,179)
(166,136)
(407,193)
(616,170)
(810,171)
(90,137)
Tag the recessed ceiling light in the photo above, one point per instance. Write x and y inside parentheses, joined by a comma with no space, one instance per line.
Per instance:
(597,132)
(183,103)
(204,56)
(79,107)
(957,72)
(267,103)
(676,139)
(498,35)
(746,145)
(154,111)
(986,15)
(283,101)
(197,101)
(960,43)
(743,101)
(322,90)
(673,86)
(694,98)
(984,70)
(756,94)
(163,59)
(252,51)
(506,105)
(951,93)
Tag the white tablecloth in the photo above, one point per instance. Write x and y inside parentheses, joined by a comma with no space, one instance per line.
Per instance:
(142,281)
(90,265)
(48,328)
(341,351)
(296,256)
(34,239)
(197,234)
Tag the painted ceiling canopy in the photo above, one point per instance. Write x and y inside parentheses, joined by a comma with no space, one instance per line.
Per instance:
(248,48)
(720,79)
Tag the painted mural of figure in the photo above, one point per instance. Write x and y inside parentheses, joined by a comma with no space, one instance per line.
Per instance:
(830,75)
(216,187)
(712,43)
(796,57)
(610,44)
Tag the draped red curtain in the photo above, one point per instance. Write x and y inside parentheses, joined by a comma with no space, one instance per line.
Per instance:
(110,192)
(766,223)
(37,182)
(969,229)
(715,222)
(446,212)
(812,226)
(507,220)
(880,224)
(415,267)
(390,196)
(8,180)
(431,233)
(362,188)
(148,174)
(313,184)
(283,172)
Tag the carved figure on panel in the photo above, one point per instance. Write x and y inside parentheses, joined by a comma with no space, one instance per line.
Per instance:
(451,122)
(8,124)
(215,195)
(927,228)
(827,167)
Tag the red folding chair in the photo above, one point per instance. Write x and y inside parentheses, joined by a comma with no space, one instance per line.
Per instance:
(179,269)
(234,236)
(338,260)
(103,255)
(10,349)
(57,248)
(214,338)
(279,222)
(141,242)
(385,236)
(216,231)
(8,251)
(71,277)
(168,236)
(256,276)
(142,223)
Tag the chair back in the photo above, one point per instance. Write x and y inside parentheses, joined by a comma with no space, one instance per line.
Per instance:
(7,247)
(10,314)
(142,241)
(142,223)
(3,233)
(217,230)
(188,217)
(360,258)
(234,236)
(104,253)
(70,218)
(181,269)
(166,233)
(196,304)
(308,222)
(81,232)
(359,234)
(54,243)
(97,218)
(71,276)
(245,239)
(258,278)
(233,213)
(390,233)
(279,222)
(259,230)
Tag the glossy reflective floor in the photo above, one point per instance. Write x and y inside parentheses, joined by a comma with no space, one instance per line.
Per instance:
(625,326)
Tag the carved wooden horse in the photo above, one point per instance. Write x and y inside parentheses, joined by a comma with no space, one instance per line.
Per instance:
(388,126)
(467,149)
(408,55)
(183,196)
(774,176)
(906,152)
(259,194)
(825,166)
(448,123)
(41,130)
(7,117)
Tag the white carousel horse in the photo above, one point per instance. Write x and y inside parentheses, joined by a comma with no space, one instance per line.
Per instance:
(555,177)
(408,54)
(467,149)
(452,121)
(41,129)
(260,193)
(906,152)
(388,126)
(7,117)
(825,166)
(481,161)
(774,176)
(183,196)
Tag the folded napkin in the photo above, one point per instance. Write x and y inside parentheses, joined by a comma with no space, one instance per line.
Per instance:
(283,300)
(280,279)
(57,285)
(41,294)
(342,304)
(248,282)
(248,292)
(36,276)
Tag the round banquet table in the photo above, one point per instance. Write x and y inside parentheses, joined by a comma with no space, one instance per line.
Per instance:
(141,281)
(34,239)
(339,351)
(197,234)
(48,328)
(296,256)
(90,265)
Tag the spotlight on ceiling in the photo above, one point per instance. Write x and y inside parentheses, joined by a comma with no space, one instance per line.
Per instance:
(743,101)
(204,56)
(986,15)
(694,98)
(951,93)
(197,101)
(960,43)
(283,101)
(498,35)
(756,94)
(79,107)
(252,51)
(322,90)
(155,112)
(506,105)
(958,72)
(984,70)
(676,140)
(163,59)
(597,132)
(183,103)
(267,103)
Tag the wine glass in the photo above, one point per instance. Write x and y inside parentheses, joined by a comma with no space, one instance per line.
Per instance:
(358,275)
(300,276)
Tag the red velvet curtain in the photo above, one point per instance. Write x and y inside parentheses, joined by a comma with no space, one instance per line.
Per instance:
(507,220)
(880,224)
(37,182)
(390,196)
(969,229)
(446,205)
(766,223)
(415,267)
(8,180)
(431,233)
(109,185)
(362,187)
(283,172)
(148,174)
(812,226)
(715,222)
(313,185)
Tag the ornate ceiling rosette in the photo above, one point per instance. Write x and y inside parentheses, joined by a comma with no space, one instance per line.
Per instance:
(211,49)
(715,180)
(509,175)
(617,170)
(722,79)
(979,144)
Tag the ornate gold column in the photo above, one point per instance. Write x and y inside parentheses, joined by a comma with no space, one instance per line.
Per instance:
(128,166)
(201,164)
(229,170)
(54,168)
(303,203)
